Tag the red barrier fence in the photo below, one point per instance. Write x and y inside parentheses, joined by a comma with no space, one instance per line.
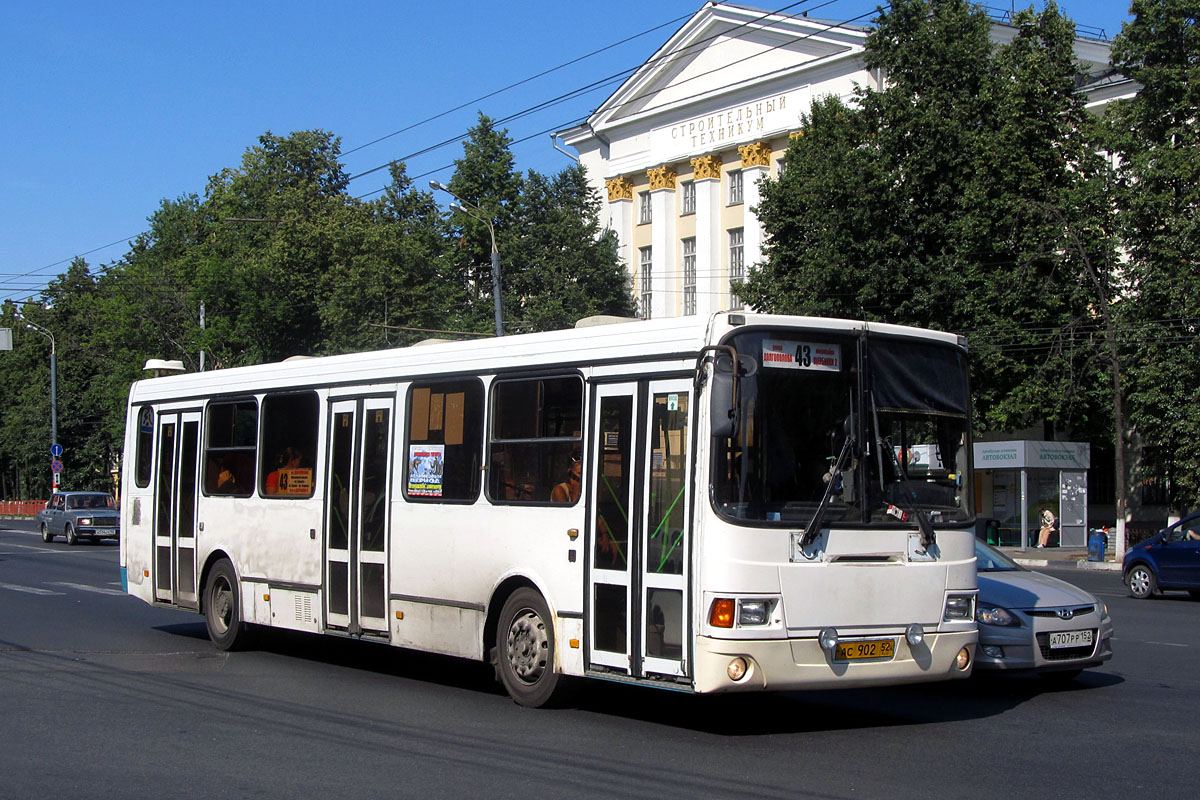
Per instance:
(21,508)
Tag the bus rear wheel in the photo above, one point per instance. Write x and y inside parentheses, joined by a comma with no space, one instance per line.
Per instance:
(223,608)
(525,651)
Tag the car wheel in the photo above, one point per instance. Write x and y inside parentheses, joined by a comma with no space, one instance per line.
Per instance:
(72,539)
(47,536)
(525,650)
(1141,581)
(223,608)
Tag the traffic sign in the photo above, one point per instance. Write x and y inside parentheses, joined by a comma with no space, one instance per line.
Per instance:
(56,466)
(56,450)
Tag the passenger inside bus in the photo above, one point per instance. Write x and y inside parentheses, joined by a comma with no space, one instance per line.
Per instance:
(568,490)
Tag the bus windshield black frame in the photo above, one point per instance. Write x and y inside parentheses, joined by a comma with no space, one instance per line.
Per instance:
(902,402)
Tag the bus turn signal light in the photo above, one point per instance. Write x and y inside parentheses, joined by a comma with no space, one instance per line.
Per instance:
(720,615)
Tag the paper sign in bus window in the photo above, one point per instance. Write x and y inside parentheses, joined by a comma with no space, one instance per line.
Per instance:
(425,465)
(818,356)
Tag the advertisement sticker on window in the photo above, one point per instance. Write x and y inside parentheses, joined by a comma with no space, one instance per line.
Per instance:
(425,469)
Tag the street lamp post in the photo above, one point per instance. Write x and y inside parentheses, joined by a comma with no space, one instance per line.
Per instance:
(469,209)
(53,388)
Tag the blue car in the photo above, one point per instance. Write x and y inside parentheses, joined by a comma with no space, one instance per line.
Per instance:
(1170,559)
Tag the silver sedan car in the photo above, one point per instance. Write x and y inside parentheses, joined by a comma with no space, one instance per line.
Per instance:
(1031,621)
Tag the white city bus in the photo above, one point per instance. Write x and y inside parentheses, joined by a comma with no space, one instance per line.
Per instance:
(743,502)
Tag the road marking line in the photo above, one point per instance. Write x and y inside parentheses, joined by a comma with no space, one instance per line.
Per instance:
(83,587)
(28,589)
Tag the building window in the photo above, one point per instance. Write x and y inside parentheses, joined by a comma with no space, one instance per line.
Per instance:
(737,265)
(534,454)
(644,216)
(232,445)
(689,198)
(445,439)
(644,258)
(735,187)
(689,276)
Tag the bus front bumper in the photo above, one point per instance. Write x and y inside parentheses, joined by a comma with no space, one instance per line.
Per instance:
(790,664)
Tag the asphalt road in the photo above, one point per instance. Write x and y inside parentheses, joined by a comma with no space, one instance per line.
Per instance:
(103,696)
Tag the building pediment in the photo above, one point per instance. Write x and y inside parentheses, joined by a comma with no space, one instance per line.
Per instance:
(725,50)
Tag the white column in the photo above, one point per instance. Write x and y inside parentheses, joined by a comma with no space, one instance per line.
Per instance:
(753,232)
(665,277)
(620,220)
(709,247)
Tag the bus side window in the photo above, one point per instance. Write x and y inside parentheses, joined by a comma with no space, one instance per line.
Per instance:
(232,443)
(536,434)
(445,440)
(289,444)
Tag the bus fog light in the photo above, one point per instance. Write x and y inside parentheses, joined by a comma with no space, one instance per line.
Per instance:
(737,669)
(963,659)
(914,634)
(828,638)
(753,612)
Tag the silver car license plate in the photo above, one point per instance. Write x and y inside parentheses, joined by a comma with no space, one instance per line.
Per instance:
(1060,639)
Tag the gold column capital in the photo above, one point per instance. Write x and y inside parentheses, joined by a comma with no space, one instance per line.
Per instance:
(756,154)
(708,166)
(619,188)
(661,177)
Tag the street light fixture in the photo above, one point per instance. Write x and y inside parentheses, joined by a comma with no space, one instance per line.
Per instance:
(477,213)
(53,387)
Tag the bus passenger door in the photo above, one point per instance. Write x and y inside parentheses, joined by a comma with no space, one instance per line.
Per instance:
(638,574)
(164,507)
(665,524)
(612,483)
(175,509)
(357,513)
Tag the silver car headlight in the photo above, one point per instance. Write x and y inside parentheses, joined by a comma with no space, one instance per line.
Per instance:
(85,522)
(995,615)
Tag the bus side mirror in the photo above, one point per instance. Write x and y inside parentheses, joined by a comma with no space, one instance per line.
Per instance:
(722,406)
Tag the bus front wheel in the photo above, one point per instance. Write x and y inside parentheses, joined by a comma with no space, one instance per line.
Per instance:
(223,607)
(525,650)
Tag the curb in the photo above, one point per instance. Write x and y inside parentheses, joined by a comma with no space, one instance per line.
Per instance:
(1110,566)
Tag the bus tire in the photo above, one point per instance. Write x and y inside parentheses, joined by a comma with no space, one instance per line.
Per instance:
(47,536)
(525,650)
(223,607)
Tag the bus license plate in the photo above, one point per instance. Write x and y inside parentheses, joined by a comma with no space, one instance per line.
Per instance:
(867,648)
(1070,639)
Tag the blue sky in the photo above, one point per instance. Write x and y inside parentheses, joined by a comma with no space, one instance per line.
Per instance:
(106,109)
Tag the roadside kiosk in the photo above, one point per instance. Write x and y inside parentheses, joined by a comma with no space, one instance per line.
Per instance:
(1016,478)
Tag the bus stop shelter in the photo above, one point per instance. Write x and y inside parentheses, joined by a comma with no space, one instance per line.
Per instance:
(1016,478)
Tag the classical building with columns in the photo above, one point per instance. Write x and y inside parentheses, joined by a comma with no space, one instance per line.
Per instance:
(678,150)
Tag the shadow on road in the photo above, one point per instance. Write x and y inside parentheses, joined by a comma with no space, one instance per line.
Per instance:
(751,714)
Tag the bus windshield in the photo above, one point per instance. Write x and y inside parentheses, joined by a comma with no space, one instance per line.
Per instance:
(881,423)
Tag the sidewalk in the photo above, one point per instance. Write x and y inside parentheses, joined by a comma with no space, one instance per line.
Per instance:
(1059,558)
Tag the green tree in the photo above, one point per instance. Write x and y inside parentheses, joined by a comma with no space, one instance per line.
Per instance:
(1156,136)
(945,200)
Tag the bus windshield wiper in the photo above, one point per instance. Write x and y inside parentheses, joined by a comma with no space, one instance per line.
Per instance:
(928,535)
(814,525)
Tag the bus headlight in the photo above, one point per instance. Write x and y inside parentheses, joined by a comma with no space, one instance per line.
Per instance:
(959,608)
(754,612)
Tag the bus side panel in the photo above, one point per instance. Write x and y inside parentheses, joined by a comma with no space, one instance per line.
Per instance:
(448,561)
